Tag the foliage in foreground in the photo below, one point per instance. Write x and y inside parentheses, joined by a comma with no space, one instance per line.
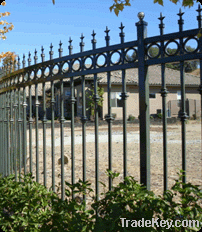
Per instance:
(29,206)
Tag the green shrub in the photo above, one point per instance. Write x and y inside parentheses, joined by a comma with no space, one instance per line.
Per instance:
(132,201)
(131,117)
(194,117)
(31,207)
(23,205)
(151,117)
(114,115)
(159,115)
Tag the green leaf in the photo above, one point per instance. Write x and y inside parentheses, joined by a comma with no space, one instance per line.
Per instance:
(120,6)
(111,8)
(160,2)
(116,10)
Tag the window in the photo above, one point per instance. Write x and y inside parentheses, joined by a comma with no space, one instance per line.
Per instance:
(67,93)
(179,98)
(116,99)
(152,95)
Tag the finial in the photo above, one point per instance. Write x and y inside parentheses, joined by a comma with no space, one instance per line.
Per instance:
(161,17)
(42,49)
(60,43)
(141,15)
(82,37)
(51,47)
(121,27)
(70,40)
(93,34)
(107,30)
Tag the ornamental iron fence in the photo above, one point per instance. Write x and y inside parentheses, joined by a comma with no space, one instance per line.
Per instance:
(13,104)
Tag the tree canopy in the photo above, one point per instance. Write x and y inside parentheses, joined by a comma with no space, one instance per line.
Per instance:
(6,29)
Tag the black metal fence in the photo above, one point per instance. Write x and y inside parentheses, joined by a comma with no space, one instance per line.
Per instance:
(13,105)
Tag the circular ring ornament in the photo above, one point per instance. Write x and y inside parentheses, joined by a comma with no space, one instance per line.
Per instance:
(25,77)
(65,70)
(20,79)
(75,65)
(166,45)
(91,65)
(127,50)
(39,73)
(119,60)
(16,79)
(104,55)
(12,81)
(31,75)
(153,44)
(54,70)
(46,71)
(184,45)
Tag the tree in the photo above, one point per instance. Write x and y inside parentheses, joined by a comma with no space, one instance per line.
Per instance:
(11,56)
(119,4)
(90,98)
(6,29)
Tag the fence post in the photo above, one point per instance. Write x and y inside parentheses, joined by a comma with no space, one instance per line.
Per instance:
(143,104)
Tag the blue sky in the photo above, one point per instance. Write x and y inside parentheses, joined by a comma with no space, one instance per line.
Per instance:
(39,22)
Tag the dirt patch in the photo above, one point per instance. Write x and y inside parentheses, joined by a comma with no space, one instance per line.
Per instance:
(174,155)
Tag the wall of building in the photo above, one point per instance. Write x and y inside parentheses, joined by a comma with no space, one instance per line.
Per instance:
(132,103)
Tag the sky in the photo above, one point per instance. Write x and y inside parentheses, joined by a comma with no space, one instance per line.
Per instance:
(39,23)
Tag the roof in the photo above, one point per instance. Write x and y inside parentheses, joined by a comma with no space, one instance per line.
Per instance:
(172,78)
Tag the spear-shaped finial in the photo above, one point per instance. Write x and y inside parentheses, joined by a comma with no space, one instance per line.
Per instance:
(122,34)
(35,57)
(107,37)
(161,25)
(70,47)
(180,21)
(199,16)
(51,52)
(23,62)
(60,49)
(42,54)
(29,59)
(18,62)
(81,43)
